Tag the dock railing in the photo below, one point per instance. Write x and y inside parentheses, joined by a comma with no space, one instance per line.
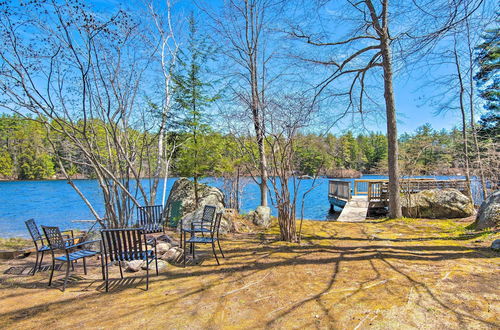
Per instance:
(378,190)
(339,189)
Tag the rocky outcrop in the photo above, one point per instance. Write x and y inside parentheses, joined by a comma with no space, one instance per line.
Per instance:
(488,215)
(437,204)
(183,191)
(261,216)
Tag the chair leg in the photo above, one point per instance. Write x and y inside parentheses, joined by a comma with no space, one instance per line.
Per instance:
(156,263)
(192,250)
(220,249)
(121,272)
(147,275)
(184,248)
(215,254)
(67,274)
(106,280)
(84,266)
(41,260)
(52,272)
(36,264)
(72,266)
(102,268)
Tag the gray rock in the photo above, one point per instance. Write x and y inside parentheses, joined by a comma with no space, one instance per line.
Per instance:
(261,216)
(183,191)
(161,264)
(172,255)
(495,246)
(437,204)
(488,215)
(161,248)
(134,265)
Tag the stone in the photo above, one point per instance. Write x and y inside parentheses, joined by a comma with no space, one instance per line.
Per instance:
(488,215)
(161,264)
(437,204)
(261,216)
(161,248)
(495,246)
(134,265)
(172,255)
(183,191)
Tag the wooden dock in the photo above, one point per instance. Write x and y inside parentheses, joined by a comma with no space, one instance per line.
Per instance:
(355,210)
(374,194)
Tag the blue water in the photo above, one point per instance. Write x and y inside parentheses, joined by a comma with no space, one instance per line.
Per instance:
(56,203)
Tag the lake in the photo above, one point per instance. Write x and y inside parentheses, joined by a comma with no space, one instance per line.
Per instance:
(54,202)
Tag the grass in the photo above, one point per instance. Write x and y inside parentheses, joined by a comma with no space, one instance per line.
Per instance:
(12,244)
(405,273)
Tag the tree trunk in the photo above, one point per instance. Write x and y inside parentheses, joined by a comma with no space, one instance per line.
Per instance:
(464,121)
(392,131)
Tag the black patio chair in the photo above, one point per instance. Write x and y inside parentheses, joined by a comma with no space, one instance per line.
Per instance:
(150,218)
(38,241)
(214,237)
(203,225)
(56,242)
(125,244)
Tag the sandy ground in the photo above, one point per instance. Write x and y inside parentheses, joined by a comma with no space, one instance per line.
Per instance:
(382,274)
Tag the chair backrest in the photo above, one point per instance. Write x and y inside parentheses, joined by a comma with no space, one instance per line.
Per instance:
(123,244)
(174,213)
(54,237)
(151,214)
(215,225)
(33,229)
(208,213)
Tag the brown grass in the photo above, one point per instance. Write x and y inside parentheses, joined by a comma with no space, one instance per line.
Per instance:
(381,274)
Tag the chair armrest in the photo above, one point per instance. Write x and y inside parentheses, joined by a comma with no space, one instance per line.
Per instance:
(82,243)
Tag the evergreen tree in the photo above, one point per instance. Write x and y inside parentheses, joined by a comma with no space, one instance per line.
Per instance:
(488,80)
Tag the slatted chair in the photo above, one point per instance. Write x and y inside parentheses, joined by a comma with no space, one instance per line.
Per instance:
(126,245)
(150,218)
(56,242)
(39,242)
(211,239)
(203,225)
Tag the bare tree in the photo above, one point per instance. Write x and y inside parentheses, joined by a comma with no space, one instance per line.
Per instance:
(243,27)
(79,75)
(368,45)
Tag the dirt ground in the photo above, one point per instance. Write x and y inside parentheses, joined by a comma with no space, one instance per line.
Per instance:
(379,274)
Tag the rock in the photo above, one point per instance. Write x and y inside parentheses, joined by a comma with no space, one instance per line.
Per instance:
(134,265)
(161,264)
(161,248)
(172,255)
(437,204)
(495,246)
(488,215)
(183,191)
(261,216)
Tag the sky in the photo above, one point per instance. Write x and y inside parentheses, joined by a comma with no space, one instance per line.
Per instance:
(412,112)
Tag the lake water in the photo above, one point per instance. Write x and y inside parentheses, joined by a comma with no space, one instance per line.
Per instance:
(56,203)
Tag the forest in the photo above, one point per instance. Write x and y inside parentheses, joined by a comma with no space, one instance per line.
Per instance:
(25,153)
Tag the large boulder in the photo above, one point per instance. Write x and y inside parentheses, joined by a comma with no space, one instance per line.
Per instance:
(184,192)
(495,246)
(261,216)
(488,215)
(437,204)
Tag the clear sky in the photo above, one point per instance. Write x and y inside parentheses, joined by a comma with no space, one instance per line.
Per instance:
(412,112)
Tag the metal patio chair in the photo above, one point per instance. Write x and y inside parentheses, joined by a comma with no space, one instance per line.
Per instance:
(39,242)
(126,244)
(150,218)
(56,242)
(211,239)
(203,225)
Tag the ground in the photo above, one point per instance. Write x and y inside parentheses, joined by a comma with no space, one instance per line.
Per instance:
(384,273)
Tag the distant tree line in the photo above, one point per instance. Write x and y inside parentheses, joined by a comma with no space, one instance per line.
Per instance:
(25,152)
